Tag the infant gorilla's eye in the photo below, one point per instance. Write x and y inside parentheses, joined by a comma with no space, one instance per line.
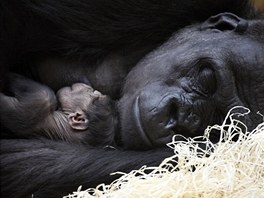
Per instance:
(206,80)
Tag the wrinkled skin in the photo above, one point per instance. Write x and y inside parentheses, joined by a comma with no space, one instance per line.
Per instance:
(92,32)
(193,80)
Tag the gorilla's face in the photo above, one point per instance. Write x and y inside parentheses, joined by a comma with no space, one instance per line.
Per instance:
(191,82)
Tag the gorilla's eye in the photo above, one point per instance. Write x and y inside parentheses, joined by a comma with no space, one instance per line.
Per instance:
(206,83)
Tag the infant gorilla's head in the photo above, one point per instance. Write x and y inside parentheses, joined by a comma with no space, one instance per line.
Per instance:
(84,115)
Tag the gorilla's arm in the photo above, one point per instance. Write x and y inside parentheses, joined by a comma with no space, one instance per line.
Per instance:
(29,105)
(51,169)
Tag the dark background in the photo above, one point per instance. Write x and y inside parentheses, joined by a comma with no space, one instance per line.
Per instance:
(259,4)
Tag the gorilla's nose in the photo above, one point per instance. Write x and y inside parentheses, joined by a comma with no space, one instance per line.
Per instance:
(226,22)
(163,118)
(181,119)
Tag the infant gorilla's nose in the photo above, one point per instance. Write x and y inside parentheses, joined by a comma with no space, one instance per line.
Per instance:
(81,86)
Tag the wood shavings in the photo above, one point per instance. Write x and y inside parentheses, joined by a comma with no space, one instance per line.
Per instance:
(228,169)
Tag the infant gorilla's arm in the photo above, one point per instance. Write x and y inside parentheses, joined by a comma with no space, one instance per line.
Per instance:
(81,115)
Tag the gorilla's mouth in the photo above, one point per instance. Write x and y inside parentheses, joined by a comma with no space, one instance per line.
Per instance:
(138,124)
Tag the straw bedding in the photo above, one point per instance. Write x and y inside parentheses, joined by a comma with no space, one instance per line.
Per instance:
(227,169)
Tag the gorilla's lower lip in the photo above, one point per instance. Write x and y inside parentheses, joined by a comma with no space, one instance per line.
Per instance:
(139,127)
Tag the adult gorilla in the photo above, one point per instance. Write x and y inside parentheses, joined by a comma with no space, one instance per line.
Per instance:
(193,80)
(189,82)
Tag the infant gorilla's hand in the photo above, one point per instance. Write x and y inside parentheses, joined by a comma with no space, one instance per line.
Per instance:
(102,120)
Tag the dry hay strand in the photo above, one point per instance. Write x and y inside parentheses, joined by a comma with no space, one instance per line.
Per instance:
(227,169)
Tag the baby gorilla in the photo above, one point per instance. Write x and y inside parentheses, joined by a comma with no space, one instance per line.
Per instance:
(78,113)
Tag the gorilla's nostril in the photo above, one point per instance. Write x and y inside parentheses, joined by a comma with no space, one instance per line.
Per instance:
(172,116)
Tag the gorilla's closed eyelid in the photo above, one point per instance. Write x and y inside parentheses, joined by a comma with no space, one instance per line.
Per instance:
(206,79)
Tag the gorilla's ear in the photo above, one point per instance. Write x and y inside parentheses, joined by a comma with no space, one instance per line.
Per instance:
(78,121)
(226,22)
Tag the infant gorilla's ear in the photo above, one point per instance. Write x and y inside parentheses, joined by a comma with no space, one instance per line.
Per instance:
(90,114)
(75,102)
(78,121)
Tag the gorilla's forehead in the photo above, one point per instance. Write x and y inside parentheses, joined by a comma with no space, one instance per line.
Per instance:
(230,51)
(194,34)
(192,43)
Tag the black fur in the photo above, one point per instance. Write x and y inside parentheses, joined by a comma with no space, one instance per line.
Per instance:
(87,31)
(52,169)
(92,29)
